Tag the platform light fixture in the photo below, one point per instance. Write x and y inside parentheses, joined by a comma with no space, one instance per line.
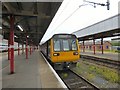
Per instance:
(15,36)
(116,34)
(20,28)
(91,38)
(0,27)
(27,36)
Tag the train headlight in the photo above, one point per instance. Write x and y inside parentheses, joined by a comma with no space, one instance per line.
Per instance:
(68,66)
(56,54)
(75,53)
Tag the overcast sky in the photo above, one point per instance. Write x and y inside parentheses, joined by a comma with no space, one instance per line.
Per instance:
(74,15)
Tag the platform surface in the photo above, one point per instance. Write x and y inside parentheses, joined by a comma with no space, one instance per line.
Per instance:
(29,73)
(108,55)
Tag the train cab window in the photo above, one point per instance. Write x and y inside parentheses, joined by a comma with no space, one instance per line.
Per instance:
(56,45)
(74,46)
(66,45)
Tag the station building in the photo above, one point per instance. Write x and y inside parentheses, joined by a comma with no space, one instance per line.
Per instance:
(89,45)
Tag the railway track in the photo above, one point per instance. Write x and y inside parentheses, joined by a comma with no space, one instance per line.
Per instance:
(102,61)
(74,81)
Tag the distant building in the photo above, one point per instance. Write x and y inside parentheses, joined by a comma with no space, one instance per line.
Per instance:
(89,45)
(115,43)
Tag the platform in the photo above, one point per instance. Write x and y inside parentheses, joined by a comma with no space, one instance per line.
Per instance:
(107,55)
(33,72)
(4,58)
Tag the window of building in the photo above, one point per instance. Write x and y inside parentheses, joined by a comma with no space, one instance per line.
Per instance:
(107,47)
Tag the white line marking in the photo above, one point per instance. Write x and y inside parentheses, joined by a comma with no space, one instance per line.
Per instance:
(56,75)
(4,68)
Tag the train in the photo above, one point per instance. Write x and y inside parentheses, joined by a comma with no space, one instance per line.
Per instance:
(62,51)
(4,45)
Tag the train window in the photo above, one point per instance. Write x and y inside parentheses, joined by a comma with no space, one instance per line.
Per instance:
(56,45)
(49,48)
(74,46)
(66,45)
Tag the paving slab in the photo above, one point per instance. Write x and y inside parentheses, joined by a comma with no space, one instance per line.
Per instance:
(30,73)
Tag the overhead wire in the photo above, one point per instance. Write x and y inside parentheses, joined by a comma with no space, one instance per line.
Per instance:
(66,5)
(68,17)
(63,10)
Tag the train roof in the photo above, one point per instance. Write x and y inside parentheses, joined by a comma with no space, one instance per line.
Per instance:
(60,34)
(63,34)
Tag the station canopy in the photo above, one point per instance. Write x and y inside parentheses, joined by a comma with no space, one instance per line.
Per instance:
(33,17)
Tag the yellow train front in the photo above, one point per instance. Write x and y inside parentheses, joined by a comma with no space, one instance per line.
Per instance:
(62,50)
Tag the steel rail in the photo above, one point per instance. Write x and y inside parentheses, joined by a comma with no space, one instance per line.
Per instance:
(75,81)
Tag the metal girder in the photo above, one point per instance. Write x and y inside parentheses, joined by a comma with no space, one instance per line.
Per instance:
(19,6)
(9,7)
(33,17)
(102,34)
(22,13)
